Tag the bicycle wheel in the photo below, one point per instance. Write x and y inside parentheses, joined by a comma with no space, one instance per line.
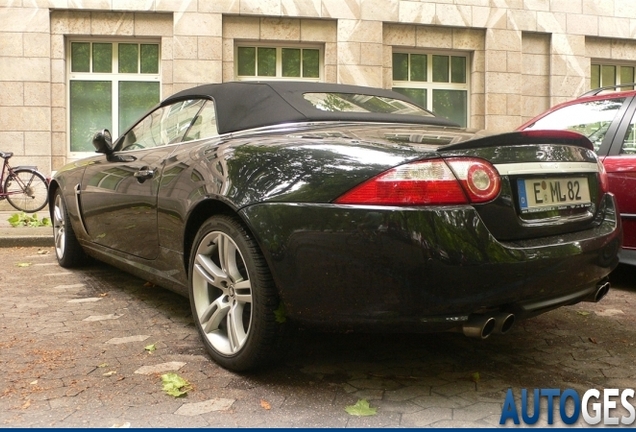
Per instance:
(26,190)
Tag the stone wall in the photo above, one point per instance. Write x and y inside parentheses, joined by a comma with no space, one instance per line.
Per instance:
(526,55)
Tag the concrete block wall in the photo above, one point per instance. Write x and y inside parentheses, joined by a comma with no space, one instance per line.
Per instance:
(525,55)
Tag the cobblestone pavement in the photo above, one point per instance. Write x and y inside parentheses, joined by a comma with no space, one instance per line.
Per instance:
(72,354)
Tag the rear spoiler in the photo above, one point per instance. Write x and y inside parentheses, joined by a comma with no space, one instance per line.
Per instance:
(523,137)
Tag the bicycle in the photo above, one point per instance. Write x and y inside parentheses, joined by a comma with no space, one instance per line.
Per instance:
(24,187)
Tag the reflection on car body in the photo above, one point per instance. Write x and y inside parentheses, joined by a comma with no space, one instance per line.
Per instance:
(276,204)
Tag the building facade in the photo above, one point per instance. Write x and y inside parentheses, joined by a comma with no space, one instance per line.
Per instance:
(71,67)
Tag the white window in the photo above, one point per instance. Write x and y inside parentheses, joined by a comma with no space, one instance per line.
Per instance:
(278,62)
(606,74)
(437,81)
(111,84)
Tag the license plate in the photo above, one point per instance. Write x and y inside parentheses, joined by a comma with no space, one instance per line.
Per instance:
(553,194)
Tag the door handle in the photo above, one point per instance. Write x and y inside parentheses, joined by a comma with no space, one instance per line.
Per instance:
(144,174)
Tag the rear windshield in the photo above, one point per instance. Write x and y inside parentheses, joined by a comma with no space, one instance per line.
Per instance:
(361,103)
(591,119)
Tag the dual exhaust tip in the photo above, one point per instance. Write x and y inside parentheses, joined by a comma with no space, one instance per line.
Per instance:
(482,326)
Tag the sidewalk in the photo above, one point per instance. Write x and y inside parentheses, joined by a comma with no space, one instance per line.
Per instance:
(23,236)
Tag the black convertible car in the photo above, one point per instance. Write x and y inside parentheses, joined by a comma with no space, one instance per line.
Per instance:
(270,204)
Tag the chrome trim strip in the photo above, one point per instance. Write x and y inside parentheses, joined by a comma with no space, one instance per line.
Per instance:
(628,215)
(546,168)
(78,189)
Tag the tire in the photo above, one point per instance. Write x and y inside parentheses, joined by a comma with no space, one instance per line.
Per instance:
(27,190)
(233,297)
(68,251)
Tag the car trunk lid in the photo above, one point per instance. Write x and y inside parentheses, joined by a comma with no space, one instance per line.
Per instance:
(551,182)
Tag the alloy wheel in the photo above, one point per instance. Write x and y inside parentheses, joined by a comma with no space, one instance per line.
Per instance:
(59,226)
(222,293)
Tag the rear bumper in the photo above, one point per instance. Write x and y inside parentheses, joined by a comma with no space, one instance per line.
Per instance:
(428,268)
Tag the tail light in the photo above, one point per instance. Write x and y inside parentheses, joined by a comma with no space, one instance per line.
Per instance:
(431,182)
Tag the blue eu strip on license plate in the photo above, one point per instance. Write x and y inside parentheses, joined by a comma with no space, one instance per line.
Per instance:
(523,199)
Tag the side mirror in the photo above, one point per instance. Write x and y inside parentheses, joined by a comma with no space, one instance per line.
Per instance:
(103,142)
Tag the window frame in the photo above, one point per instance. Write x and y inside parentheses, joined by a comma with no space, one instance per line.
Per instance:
(279,46)
(617,74)
(114,77)
(429,85)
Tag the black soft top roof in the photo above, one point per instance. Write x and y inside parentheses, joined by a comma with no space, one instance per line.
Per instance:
(246,105)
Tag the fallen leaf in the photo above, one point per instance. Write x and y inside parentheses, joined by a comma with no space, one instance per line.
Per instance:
(280,314)
(265,405)
(584,313)
(26,404)
(109,373)
(23,264)
(149,285)
(361,408)
(592,340)
(34,382)
(43,252)
(150,348)
(103,365)
(174,385)
(103,295)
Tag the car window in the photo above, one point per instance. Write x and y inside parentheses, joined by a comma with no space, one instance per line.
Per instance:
(165,125)
(591,119)
(345,102)
(629,142)
(204,125)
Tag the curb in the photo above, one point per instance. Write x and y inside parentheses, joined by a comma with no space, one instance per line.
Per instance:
(25,236)
(26,241)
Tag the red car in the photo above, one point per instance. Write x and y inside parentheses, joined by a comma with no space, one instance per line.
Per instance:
(608,119)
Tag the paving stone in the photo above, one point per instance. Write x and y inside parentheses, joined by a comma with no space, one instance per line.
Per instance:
(369,394)
(610,312)
(439,401)
(58,274)
(159,368)
(407,393)
(127,339)
(402,407)
(68,287)
(85,300)
(374,384)
(474,412)
(92,318)
(454,388)
(380,420)
(624,371)
(51,359)
(426,417)
(198,408)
